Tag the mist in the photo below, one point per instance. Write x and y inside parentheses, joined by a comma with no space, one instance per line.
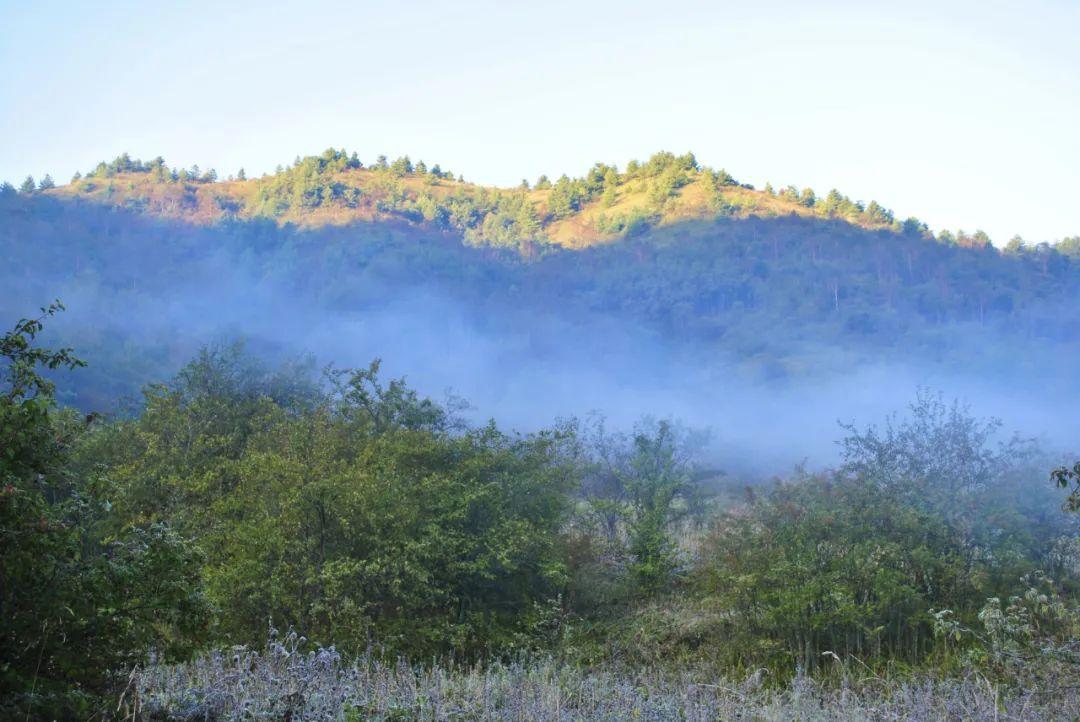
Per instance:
(526,368)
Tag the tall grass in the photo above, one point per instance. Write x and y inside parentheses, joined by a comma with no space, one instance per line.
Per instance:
(287,682)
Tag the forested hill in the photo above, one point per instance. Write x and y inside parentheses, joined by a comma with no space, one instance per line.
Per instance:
(664,259)
(604,205)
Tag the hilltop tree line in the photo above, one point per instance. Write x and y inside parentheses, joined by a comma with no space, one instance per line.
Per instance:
(239,496)
(517,217)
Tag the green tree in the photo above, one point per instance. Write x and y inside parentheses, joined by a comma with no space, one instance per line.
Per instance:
(361,513)
(46,183)
(924,515)
(82,600)
(639,488)
(28,185)
(402,166)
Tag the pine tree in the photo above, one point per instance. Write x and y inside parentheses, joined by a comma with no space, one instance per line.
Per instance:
(46,183)
(28,185)
(241,175)
(402,166)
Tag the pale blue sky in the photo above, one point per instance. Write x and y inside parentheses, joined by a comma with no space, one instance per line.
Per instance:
(965,114)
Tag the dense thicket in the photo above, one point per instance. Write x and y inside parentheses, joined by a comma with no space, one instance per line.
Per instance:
(925,515)
(360,513)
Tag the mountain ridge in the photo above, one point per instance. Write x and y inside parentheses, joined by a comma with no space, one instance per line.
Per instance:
(603,206)
(160,266)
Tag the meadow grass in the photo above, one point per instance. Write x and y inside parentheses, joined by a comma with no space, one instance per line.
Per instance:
(287,682)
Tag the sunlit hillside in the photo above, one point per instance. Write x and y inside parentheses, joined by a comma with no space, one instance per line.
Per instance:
(661,260)
(337,188)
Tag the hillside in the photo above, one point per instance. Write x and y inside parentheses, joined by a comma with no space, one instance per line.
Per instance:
(336,188)
(650,282)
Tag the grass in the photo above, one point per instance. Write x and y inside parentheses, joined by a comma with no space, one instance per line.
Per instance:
(289,682)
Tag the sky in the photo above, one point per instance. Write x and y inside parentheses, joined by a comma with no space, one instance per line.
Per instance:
(964,114)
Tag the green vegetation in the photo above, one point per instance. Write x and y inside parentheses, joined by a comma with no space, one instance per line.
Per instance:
(781,287)
(244,495)
(657,189)
(86,593)
(356,514)
(923,517)
(353,509)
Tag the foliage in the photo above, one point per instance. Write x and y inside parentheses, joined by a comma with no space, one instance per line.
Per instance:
(362,513)
(923,516)
(80,604)
(1030,641)
(637,489)
(1063,477)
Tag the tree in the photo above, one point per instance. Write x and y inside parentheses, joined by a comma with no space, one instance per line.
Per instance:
(402,166)
(77,177)
(924,515)
(640,487)
(81,600)
(360,512)
(1069,247)
(241,175)
(46,183)
(878,215)
(28,185)
(1015,245)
